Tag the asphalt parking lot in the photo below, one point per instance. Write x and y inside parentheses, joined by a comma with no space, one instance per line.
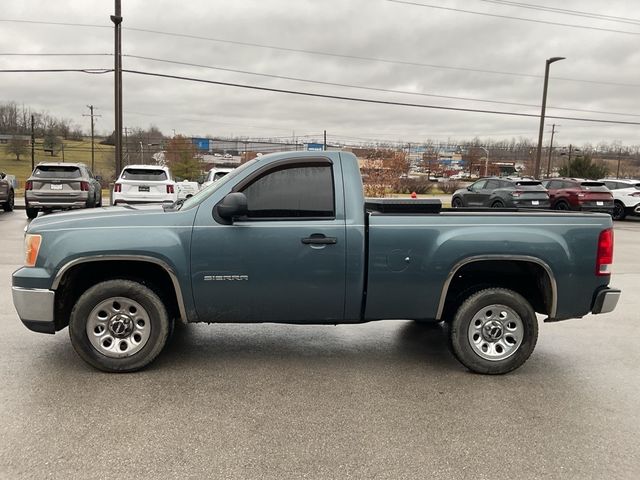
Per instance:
(379,400)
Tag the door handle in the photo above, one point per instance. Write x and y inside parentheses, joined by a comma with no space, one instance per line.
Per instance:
(319,239)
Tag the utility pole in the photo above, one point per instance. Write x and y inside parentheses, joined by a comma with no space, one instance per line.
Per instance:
(126,146)
(117,20)
(553,131)
(618,169)
(569,162)
(33,145)
(93,163)
(325,140)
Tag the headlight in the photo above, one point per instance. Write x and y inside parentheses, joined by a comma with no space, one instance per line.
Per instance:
(31,249)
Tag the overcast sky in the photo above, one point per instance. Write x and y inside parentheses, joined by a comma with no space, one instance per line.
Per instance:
(427,51)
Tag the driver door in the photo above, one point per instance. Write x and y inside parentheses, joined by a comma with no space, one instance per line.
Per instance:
(285,260)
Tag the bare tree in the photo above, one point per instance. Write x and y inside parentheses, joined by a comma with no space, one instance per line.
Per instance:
(17,146)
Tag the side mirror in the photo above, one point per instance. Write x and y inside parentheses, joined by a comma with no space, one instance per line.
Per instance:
(98,178)
(469,188)
(2,175)
(233,205)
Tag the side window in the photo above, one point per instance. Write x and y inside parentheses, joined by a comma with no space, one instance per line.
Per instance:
(492,184)
(479,185)
(292,191)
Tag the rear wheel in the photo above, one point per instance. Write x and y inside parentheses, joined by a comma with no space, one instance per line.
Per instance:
(618,211)
(494,331)
(456,203)
(32,212)
(9,204)
(119,326)
(497,204)
(562,205)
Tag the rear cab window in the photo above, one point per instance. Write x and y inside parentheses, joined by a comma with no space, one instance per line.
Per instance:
(144,174)
(57,171)
(594,186)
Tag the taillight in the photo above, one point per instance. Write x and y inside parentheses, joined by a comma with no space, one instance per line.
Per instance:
(28,185)
(604,259)
(170,189)
(84,186)
(582,194)
(516,193)
(634,194)
(117,188)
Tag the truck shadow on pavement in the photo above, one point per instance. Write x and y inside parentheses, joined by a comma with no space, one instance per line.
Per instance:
(400,342)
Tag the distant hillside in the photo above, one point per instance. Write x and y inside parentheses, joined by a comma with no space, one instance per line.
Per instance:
(74,151)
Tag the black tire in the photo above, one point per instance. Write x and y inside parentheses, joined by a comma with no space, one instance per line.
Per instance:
(497,204)
(9,204)
(562,205)
(456,202)
(32,212)
(618,211)
(88,311)
(91,202)
(513,341)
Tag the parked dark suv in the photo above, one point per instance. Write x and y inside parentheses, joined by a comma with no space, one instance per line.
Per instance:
(579,194)
(54,186)
(501,193)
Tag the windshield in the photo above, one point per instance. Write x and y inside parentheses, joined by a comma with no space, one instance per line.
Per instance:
(205,192)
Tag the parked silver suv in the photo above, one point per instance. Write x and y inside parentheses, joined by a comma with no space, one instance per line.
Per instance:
(61,186)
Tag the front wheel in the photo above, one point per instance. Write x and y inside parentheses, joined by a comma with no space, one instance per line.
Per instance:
(119,326)
(494,331)
(32,212)
(456,203)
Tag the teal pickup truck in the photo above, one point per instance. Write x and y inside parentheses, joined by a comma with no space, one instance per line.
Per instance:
(289,238)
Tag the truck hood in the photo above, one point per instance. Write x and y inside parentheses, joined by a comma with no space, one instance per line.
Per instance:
(139,215)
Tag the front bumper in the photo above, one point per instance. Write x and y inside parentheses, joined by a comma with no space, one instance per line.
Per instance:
(35,307)
(606,300)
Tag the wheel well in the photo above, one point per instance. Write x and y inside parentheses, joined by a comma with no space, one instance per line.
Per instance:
(79,278)
(527,278)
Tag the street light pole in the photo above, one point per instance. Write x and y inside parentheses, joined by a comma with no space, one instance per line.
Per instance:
(536,168)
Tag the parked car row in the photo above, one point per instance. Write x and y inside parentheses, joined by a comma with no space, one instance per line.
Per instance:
(62,186)
(615,197)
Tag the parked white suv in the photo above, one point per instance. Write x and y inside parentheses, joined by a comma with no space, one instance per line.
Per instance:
(214,175)
(144,184)
(626,197)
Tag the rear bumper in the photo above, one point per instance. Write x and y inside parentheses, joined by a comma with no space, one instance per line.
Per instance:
(75,200)
(35,307)
(606,300)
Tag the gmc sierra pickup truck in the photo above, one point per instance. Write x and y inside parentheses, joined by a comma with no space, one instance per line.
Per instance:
(289,238)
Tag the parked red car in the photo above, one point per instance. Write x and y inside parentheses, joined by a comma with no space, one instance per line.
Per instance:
(579,194)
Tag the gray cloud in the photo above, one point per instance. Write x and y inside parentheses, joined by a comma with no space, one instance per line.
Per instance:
(357,28)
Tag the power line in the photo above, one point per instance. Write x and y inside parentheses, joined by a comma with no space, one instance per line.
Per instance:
(564,11)
(93,71)
(509,17)
(372,101)
(376,89)
(330,54)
